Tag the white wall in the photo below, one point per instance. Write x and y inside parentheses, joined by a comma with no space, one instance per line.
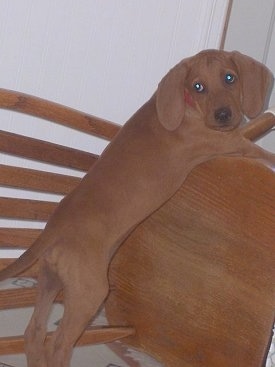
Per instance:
(251,31)
(104,57)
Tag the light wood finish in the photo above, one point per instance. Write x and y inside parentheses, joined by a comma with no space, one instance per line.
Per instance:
(18,237)
(26,209)
(14,298)
(30,179)
(195,280)
(261,126)
(21,102)
(45,152)
(207,257)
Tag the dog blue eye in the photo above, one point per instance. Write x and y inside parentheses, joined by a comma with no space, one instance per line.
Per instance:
(199,87)
(229,78)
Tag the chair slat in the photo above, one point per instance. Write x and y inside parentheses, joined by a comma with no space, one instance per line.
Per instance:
(31,272)
(17,298)
(26,209)
(47,152)
(30,179)
(96,335)
(21,297)
(52,111)
(35,180)
(18,237)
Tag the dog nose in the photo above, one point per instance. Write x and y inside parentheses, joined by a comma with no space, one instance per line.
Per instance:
(223,114)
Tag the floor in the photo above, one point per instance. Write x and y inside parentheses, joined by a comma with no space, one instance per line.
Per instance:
(112,355)
(116,354)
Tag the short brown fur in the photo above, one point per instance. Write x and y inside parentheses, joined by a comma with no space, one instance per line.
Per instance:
(143,166)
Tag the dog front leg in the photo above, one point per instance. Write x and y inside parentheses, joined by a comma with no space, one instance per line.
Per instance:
(253,151)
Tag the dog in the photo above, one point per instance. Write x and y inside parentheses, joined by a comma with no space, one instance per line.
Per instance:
(193,116)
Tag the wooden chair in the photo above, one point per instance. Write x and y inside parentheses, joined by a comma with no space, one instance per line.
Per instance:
(193,285)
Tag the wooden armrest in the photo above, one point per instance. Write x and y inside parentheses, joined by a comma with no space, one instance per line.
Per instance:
(256,128)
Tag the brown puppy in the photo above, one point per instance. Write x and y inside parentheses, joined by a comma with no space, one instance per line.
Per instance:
(193,117)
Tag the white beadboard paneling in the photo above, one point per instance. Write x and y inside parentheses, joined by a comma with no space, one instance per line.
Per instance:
(100,56)
(249,26)
(268,142)
(255,23)
(213,18)
(104,57)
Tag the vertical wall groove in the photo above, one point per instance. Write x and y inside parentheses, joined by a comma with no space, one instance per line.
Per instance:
(269,36)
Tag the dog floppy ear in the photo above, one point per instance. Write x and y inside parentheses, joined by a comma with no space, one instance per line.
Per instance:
(256,80)
(170,103)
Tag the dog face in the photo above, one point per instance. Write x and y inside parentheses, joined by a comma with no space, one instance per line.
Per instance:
(213,86)
(222,87)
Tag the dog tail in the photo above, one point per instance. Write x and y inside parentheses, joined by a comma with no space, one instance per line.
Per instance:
(25,261)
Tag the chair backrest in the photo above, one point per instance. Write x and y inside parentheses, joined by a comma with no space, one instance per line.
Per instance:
(34,211)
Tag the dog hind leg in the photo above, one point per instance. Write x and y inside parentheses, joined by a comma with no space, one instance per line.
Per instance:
(80,304)
(35,334)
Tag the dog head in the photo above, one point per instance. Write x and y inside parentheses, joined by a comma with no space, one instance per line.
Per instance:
(222,87)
